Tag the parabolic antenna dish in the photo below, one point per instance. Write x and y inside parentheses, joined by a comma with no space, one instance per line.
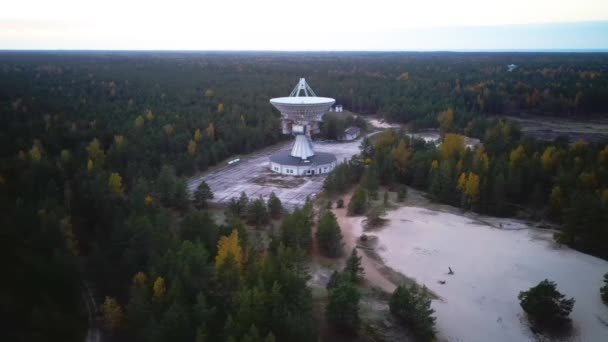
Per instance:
(303,104)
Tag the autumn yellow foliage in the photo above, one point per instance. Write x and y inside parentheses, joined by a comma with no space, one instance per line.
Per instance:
(452,146)
(517,155)
(113,314)
(198,135)
(229,245)
(159,288)
(139,122)
(446,119)
(140,279)
(192,147)
(115,184)
(401,157)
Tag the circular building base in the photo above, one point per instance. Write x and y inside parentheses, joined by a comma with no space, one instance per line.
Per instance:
(284,163)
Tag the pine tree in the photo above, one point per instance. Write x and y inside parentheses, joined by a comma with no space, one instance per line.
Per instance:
(353,267)
(257,214)
(342,311)
(275,207)
(412,306)
(545,306)
(329,235)
(202,194)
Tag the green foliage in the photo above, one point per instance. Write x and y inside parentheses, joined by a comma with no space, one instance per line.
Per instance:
(296,229)
(329,235)
(202,194)
(257,213)
(412,306)
(72,120)
(275,207)
(199,226)
(353,268)
(545,306)
(342,311)
(358,202)
(374,216)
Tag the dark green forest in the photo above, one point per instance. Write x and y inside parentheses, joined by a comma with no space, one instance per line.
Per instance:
(95,148)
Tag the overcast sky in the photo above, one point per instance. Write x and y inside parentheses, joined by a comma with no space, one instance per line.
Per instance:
(304,25)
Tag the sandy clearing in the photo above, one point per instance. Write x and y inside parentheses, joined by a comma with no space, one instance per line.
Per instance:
(351,230)
(479,302)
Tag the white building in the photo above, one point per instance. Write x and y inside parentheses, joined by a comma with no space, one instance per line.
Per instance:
(351,133)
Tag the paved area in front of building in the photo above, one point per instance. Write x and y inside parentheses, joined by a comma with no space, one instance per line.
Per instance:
(253,176)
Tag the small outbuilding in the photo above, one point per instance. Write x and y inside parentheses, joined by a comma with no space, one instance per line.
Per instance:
(351,133)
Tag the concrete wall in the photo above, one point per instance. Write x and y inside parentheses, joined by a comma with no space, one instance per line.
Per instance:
(302,170)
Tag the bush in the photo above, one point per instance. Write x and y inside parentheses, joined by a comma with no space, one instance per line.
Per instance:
(412,306)
(374,217)
(545,306)
(328,205)
(358,202)
(340,203)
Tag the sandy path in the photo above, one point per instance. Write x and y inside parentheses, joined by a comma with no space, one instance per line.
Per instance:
(372,276)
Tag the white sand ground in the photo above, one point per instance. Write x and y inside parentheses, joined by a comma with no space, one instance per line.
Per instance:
(491,265)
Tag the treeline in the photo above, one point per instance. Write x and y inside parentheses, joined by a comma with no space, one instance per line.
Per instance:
(93,145)
(507,174)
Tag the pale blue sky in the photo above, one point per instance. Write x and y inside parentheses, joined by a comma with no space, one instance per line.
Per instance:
(305,25)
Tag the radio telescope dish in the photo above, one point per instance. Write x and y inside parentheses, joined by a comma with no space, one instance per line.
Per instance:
(301,113)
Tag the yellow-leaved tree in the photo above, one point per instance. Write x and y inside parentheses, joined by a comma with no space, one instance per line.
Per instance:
(112,313)
(401,157)
(97,155)
(198,135)
(140,279)
(517,155)
(548,158)
(115,184)
(220,108)
(472,188)
(149,115)
(452,146)
(139,122)
(35,153)
(192,147)
(229,245)
(159,288)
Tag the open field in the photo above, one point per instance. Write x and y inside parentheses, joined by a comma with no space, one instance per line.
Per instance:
(491,265)
(550,128)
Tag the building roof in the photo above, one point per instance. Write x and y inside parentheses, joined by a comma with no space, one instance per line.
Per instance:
(352,130)
(285,158)
(302,100)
